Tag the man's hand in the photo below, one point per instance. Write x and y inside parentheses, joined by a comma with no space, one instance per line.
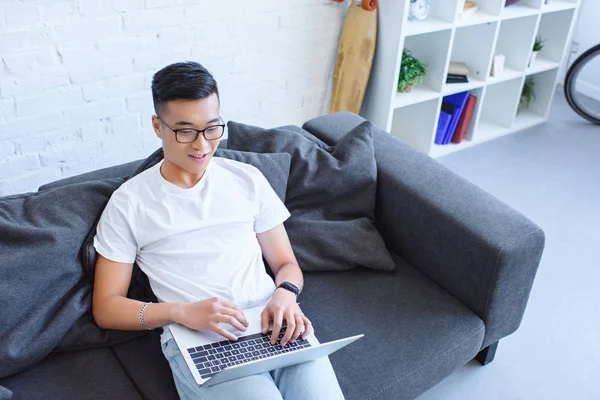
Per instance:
(283,307)
(206,315)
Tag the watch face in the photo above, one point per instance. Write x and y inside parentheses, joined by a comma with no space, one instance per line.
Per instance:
(419,9)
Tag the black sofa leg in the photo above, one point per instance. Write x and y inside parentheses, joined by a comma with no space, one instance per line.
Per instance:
(486,355)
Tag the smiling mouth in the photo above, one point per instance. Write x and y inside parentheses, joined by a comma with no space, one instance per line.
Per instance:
(199,157)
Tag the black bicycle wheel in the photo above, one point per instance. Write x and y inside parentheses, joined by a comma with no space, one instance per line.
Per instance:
(577,91)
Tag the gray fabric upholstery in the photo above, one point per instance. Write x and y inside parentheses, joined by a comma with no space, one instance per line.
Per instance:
(275,167)
(147,367)
(330,194)
(416,333)
(41,235)
(104,173)
(115,171)
(91,375)
(481,250)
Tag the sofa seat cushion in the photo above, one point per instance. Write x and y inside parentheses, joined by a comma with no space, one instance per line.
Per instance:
(94,374)
(147,367)
(416,333)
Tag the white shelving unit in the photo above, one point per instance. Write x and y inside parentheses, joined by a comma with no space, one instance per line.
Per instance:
(444,37)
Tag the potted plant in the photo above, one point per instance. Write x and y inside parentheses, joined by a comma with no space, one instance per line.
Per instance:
(537,46)
(528,93)
(411,71)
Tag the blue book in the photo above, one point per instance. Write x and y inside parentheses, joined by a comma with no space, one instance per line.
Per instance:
(443,122)
(458,101)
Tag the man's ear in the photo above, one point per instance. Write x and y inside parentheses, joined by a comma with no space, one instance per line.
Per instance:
(156,126)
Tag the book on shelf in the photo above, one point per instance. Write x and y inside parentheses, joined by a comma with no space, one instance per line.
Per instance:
(457,102)
(443,122)
(465,118)
(457,78)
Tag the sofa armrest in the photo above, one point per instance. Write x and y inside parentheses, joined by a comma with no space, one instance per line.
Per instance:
(479,249)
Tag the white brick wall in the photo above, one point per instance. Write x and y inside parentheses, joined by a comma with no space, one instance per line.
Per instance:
(75,74)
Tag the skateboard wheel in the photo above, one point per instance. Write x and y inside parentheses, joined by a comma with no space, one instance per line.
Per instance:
(369,5)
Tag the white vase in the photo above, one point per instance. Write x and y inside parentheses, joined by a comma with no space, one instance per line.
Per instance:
(533,57)
(498,65)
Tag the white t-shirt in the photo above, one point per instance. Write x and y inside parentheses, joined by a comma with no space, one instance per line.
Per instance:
(196,243)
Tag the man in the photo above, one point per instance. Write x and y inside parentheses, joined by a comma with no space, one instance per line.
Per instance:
(198,227)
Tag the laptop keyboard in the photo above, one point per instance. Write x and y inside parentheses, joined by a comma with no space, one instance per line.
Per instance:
(217,356)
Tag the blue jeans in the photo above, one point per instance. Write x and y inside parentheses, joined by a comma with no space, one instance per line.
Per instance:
(312,380)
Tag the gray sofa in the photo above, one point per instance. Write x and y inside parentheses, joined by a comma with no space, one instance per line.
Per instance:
(465,265)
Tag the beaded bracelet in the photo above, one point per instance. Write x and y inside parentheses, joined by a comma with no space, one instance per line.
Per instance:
(146,327)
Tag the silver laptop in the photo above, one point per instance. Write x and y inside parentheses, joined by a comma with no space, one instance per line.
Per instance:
(213,359)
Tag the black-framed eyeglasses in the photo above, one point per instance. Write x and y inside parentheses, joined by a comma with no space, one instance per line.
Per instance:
(189,135)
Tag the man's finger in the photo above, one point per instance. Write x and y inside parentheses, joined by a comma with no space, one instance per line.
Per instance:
(238,315)
(299,327)
(291,326)
(229,304)
(216,328)
(264,321)
(228,319)
(307,327)
(277,322)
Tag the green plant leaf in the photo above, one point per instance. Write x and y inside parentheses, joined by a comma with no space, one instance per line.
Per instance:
(411,71)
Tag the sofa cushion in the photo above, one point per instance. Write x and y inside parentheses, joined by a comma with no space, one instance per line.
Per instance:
(43,292)
(147,367)
(92,375)
(330,194)
(416,333)
(116,171)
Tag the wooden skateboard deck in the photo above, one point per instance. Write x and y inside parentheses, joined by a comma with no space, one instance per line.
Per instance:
(354,58)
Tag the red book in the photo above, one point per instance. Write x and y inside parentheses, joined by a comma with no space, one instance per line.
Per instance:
(463,122)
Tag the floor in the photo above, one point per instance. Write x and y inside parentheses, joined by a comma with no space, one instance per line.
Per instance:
(551,173)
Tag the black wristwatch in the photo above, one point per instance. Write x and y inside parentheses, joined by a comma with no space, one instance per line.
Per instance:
(289,286)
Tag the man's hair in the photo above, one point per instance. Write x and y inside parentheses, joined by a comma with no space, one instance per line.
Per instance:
(183,80)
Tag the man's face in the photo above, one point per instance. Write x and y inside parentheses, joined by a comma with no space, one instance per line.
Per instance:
(188,114)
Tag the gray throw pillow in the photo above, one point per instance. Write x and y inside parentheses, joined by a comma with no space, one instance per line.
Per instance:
(43,290)
(330,194)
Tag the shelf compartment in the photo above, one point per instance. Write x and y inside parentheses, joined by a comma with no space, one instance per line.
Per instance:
(518,10)
(499,107)
(441,17)
(545,85)
(554,31)
(526,119)
(515,41)
(473,46)
(432,49)
(439,150)
(558,5)
(415,124)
